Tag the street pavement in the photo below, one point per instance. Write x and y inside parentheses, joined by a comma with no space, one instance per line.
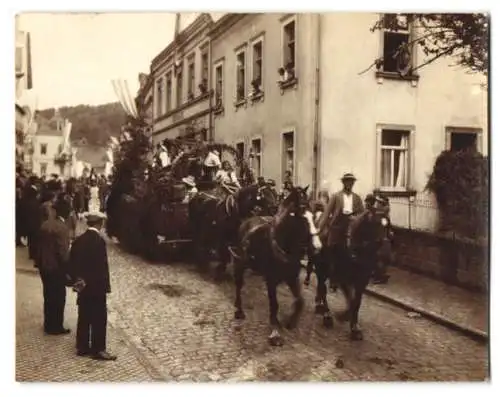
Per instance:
(171,323)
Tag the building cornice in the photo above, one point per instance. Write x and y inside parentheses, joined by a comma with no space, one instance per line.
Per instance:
(184,37)
(225,23)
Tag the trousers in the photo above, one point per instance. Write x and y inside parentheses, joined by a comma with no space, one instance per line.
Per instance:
(54,299)
(92,323)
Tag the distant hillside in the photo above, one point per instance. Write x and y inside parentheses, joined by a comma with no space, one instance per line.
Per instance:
(94,123)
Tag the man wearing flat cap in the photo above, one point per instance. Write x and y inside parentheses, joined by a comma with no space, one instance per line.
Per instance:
(90,272)
(341,208)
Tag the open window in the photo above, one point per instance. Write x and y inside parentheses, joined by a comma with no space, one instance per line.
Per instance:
(257,66)
(463,139)
(219,85)
(43,149)
(240,75)
(397,49)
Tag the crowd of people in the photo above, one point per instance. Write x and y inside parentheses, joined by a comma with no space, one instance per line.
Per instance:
(35,194)
(47,212)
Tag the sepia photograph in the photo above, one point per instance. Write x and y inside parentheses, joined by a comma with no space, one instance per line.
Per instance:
(258,196)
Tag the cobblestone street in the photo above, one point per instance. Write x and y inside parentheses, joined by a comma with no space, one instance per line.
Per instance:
(168,322)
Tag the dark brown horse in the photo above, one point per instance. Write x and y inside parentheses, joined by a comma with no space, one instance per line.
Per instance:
(351,267)
(273,247)
(216,215)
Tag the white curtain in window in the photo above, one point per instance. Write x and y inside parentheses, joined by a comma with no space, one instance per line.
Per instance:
(386,167)
(399,172)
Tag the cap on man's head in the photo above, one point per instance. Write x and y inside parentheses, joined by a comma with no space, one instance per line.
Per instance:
(95,217)
(348,177)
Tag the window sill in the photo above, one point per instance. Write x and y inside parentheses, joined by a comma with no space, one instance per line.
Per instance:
(239,103)
(287,84)
(259,96)
(395,193)
(218,110)
(381,75)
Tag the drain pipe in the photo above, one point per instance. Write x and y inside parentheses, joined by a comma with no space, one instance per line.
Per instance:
(211,92)
(316,131)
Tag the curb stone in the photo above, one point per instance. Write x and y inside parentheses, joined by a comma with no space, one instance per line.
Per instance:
(471,332)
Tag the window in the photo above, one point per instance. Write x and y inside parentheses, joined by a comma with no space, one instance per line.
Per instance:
(256,157)
(240,76)
(240,149)
(461,139)
(394,159)
(289,46)
(43,148)
(288,153)
(169,91)
(219,85)
(396,54)
(257,65)
(191,78)
(179,86)
(19,59)
(204,67)
(159,97)
(43,169)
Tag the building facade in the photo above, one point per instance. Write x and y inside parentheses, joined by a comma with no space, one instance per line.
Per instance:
(49,143)
(294,92)
(265,91)
(180,81)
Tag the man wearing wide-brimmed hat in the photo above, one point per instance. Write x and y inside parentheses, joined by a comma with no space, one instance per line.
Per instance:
(89,269)
(341,208)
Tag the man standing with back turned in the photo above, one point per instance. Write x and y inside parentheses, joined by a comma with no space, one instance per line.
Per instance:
(90,271)
(52,259)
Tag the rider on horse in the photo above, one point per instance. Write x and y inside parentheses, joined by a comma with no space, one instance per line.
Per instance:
(227,177)
(342,207)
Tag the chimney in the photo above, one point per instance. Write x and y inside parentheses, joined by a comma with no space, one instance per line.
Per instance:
(177,24)
(29,77)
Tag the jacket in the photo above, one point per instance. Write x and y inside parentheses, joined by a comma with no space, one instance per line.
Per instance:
(89,262)
(53,246)
(330,229)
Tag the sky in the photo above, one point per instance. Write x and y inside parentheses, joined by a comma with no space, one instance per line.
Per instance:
(75,56)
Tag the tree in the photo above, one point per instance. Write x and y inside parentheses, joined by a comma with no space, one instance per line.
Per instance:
(463,37)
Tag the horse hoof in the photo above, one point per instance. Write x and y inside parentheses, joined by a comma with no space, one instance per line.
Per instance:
(275,339)
(291,323)
(328,321)
(239,315)
(356,334)
(319,309)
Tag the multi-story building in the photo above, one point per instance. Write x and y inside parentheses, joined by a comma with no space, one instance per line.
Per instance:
(292,92)
(49,143)
(180,79)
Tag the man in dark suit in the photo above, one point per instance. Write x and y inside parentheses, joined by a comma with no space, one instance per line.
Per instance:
(333,223)
(51,260)
(90,271)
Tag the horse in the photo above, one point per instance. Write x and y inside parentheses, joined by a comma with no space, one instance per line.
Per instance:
(215,216)
(353,267)
(273,248)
